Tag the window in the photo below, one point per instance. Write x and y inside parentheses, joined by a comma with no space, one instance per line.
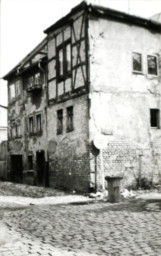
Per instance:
(38,123)
(18,89)
(68,58)
(37,78)
(137,62)
(18,130)
(152,65)
(154,118)
(60,121)
(12,91)
(64,60)
(31,125)
(30,162)
(70,119)
(13,132)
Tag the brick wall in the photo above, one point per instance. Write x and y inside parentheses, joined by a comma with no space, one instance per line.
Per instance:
(68,152)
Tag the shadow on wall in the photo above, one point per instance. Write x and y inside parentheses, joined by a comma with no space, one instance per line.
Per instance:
(3,160)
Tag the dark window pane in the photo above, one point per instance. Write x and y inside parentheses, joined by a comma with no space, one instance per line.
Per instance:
(152,65)
(38,123)
(60,121)
(31,127)
(137,62)
(154,118)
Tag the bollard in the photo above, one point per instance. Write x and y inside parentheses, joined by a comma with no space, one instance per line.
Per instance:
(113,188)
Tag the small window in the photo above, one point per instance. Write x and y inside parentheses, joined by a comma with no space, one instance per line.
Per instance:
(18,88)
(12,91)
(18,130)
(137,62)
(152,65)
(13,132)
(68,58)
(60,121)
(60,62)
(31,125)
(30,162)
(37,78)
(154,118)
(70,119)
(38,123)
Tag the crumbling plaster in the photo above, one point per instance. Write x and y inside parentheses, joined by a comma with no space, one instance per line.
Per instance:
(121,99)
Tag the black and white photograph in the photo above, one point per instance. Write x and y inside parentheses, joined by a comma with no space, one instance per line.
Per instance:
(80,127)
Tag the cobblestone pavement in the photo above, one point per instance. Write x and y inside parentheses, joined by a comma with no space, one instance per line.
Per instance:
(82,230)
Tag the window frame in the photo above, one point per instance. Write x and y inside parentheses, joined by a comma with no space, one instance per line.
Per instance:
(70,119)
(31,132)
(141,63)
(156,57)
(12,97)
(17,89)
(65,71)
(38,129)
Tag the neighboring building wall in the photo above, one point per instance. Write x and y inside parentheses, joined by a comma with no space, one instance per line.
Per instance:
(68,151)
(28,148)
(121,100)
(3,123)
(3,160)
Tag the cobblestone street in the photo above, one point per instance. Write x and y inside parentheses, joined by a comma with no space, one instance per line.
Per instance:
(82,229)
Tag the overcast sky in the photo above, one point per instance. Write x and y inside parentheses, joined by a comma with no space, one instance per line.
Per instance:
(22,23)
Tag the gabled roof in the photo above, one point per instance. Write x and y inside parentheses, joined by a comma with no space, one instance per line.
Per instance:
(105,13)
(27,58)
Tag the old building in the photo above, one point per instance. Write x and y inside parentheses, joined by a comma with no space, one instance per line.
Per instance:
(3,142)
(27,118)
(3,123)
(100,87)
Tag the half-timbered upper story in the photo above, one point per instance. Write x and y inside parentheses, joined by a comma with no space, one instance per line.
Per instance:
(68,56)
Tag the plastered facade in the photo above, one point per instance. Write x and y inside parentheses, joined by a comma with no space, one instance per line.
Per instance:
(121,99)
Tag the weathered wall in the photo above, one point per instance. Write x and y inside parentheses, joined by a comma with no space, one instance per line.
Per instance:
(121,100)
(3,123)
(68,152)
(25,105)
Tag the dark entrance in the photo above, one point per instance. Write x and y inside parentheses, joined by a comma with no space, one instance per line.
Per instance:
(16,168)
(40,161)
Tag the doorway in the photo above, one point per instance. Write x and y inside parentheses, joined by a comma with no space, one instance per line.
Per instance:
(40,167)
(16,168)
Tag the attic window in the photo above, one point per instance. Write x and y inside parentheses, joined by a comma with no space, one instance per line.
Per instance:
(154,118)
(12,91)
(152,65)
(137,62)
